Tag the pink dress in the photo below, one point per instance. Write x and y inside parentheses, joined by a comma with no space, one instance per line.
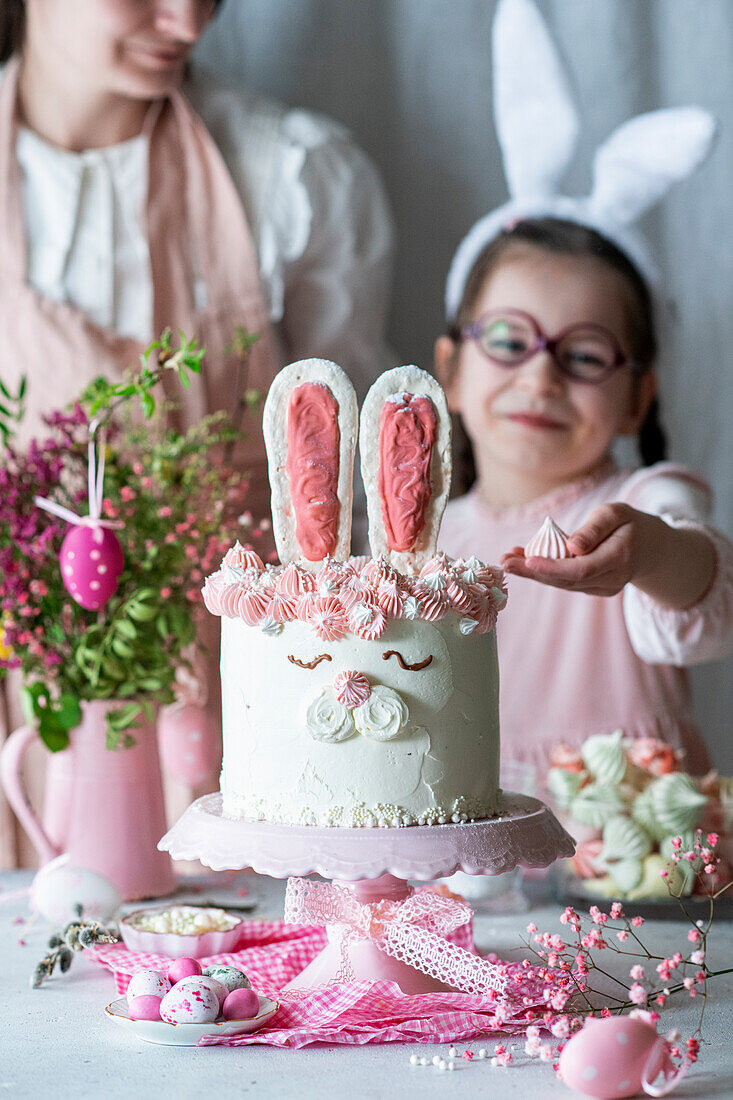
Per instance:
(573,665)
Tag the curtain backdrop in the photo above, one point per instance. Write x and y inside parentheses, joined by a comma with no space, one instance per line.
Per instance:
(411,80)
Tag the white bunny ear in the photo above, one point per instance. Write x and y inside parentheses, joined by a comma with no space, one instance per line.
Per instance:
(644,157)
(536,118)
(310,422)
(405,434)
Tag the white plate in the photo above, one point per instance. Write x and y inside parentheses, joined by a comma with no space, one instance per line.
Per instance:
(187,1035)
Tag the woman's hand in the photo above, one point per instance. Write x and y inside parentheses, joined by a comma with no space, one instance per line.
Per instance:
(618,545)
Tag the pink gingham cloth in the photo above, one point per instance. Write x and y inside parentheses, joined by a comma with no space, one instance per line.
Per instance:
(352,1013)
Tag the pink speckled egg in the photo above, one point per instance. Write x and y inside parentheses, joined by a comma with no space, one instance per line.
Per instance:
(183,968)
(613,1057)
(216,987)
(190,1002)
(147,983)
(91,560)
(189,743)
(145,1007)
(241,1004)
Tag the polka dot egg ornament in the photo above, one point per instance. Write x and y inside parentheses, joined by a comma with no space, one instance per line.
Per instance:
(619,1056)
(91,561)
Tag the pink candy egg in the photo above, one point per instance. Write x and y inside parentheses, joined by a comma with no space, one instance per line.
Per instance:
(147,983)
(219,990)
(91,560)
(145,1007)
(183,968)
(241,1004)
(190,1002)
(189,743)
(613,1057)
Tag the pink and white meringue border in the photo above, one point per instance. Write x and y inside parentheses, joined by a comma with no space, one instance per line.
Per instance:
(359,595)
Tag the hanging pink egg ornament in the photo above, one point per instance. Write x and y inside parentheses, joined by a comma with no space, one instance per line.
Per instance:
(618,1056)
(91,562)
(91,557)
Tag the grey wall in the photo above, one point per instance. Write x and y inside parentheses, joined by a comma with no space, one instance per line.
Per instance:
(411,79)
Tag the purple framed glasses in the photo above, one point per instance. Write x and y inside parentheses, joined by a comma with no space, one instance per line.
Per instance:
(583,352)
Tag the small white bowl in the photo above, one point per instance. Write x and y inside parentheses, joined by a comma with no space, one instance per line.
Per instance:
(187,1035)
(174,945)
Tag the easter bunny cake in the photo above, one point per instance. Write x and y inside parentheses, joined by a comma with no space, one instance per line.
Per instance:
(358,691)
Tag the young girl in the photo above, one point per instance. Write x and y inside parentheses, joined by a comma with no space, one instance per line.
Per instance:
(550,358)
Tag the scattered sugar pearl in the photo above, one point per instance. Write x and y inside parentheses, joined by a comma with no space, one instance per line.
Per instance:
(494,1061)
(437,1059)
(414,1060)
(483,1053)
(451,1066)
(442,1065)
(424,1061)
(452,1052)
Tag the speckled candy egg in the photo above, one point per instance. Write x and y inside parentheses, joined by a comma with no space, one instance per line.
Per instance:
(91,561)
(613,1057)
(229,976)
(190,1002)
(147,983)
(216,987)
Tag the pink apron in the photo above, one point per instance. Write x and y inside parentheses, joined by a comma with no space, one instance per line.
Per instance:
(196,228)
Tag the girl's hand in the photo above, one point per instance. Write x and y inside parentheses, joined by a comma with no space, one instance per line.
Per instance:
(618,545)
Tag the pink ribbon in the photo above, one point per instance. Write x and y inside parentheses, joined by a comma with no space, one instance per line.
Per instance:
(412,931)
(96,491)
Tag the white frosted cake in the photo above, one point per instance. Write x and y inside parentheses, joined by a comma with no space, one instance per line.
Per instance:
(356,693)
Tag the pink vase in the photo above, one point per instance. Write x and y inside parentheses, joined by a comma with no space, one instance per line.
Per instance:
(103,808)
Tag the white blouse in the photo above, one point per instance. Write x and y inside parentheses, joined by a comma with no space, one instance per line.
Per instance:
(315,203)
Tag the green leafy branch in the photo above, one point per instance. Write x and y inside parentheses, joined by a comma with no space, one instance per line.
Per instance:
(12,409)
(104,397)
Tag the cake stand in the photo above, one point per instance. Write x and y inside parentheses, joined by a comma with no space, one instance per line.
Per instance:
(375,863)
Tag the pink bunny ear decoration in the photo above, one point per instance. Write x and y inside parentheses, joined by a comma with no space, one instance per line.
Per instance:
(310,425)
(406,465)
(537,126)
(91,557)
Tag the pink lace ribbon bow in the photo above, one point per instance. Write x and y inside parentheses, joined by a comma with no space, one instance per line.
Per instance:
(412,931)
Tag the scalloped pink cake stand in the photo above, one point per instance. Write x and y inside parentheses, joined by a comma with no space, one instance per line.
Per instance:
(374,863)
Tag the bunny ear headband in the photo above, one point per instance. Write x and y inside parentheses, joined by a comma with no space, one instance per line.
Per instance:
(537,126)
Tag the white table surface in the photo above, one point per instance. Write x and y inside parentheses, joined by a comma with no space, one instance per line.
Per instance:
(55,1042)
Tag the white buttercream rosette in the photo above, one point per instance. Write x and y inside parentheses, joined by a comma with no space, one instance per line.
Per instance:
(384,715)
(328,720)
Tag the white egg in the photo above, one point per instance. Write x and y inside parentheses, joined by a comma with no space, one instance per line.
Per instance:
(190,1002)
(60,886)
(148,982)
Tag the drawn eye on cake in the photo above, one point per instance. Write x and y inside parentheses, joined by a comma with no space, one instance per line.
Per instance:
(415,666)
(309,664)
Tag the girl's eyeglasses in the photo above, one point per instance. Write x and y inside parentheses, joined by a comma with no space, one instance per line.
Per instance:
(509,337)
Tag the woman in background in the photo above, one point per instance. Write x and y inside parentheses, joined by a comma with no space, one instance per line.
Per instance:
(137,194)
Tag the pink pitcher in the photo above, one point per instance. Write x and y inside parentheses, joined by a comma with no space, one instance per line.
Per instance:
(103,808)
